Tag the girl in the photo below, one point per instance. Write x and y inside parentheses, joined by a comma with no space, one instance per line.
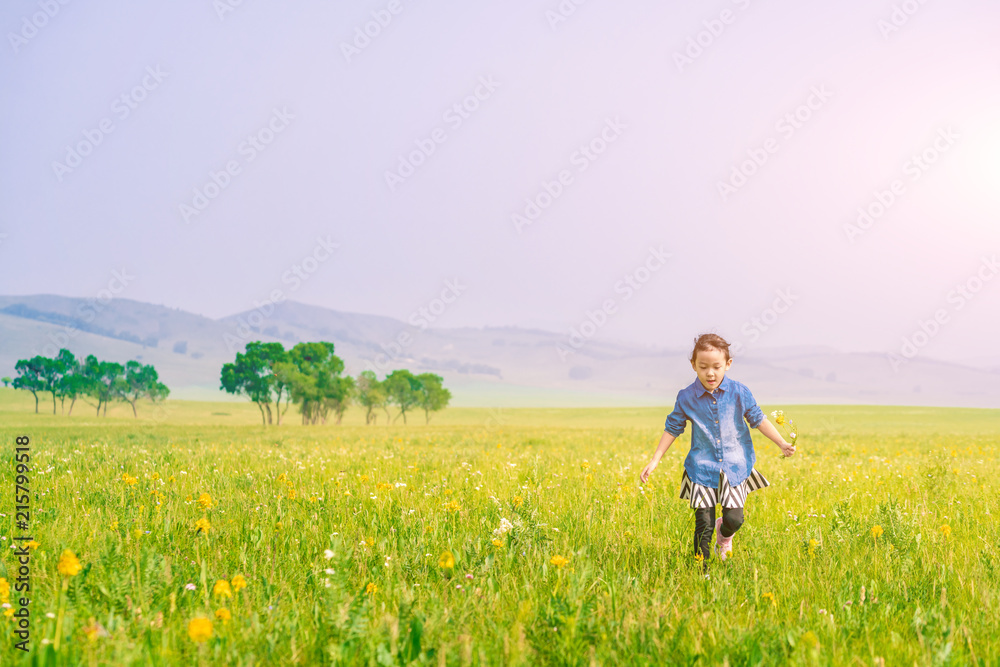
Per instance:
(719,469)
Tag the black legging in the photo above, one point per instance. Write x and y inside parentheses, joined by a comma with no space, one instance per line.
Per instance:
(704,527)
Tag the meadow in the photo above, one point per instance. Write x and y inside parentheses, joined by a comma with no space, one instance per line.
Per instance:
(496,537)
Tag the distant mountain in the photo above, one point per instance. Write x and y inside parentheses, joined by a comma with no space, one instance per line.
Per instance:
(489,366)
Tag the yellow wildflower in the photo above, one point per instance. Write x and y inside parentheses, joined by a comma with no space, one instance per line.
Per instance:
(497,543)
(69,565)
(813,543)
(200,629)
(946,530)
(205,501)
(33,544)
(559,561)
(223,614)
(202,525)
(518,501)
(371,589)
(876,531)
(239,583)
(222,589)
(446,561)
(453,506)
(770,596)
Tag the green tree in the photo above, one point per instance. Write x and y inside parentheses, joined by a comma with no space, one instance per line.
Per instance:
(103,381)
(254,374)
(316,381)
(6,380)
(370,394)
(402,389)
(30,374)
(70,383)
(141,381)
(432,395)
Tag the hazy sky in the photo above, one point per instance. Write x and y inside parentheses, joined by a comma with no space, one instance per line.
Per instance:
(412,151)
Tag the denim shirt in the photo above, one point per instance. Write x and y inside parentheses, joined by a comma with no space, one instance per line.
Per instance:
(720,439)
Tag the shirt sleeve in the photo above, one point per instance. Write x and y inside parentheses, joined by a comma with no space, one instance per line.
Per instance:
(677,419)
(751,411)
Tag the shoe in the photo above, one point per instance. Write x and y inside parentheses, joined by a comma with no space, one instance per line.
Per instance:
(723,545)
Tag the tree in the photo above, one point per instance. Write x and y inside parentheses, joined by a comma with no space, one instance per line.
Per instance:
(104,380)
(6,380)
(370,394)
(316,381)
(401,388)
(141,381)
(66,367)
(432,395)
(254,375)
(30,376)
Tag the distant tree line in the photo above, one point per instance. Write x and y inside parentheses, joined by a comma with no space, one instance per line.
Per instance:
(96,382)
(311,376)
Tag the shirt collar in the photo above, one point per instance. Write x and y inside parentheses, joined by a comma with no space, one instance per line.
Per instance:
(701,391)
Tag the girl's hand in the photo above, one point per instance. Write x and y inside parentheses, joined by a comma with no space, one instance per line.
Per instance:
(787,449)
(650,467)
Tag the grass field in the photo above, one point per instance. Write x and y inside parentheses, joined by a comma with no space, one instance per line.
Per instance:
(383,544)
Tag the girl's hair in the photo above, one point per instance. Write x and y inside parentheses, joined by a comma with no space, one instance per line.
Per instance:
(709,342)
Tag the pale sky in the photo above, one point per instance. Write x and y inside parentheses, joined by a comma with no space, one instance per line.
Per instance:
(835,101)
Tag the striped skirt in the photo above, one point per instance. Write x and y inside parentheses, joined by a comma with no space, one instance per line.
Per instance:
(725,494)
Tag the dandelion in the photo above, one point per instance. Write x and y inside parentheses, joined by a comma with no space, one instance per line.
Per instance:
(877,531)
(200,629)
(69,565)
(371,589)
(945,530)
(518,501)
(239,583)
(559,561)
(205,501)
(202,525)
(770,596)
(497,543)
(446,561)
(222,589)
(223,614)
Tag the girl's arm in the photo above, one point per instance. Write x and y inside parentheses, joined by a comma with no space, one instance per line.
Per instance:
(767,428)
(666,440)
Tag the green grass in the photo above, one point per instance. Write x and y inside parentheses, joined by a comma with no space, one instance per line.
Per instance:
(631,592)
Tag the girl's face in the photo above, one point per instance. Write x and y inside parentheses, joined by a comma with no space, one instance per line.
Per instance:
(711,366)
